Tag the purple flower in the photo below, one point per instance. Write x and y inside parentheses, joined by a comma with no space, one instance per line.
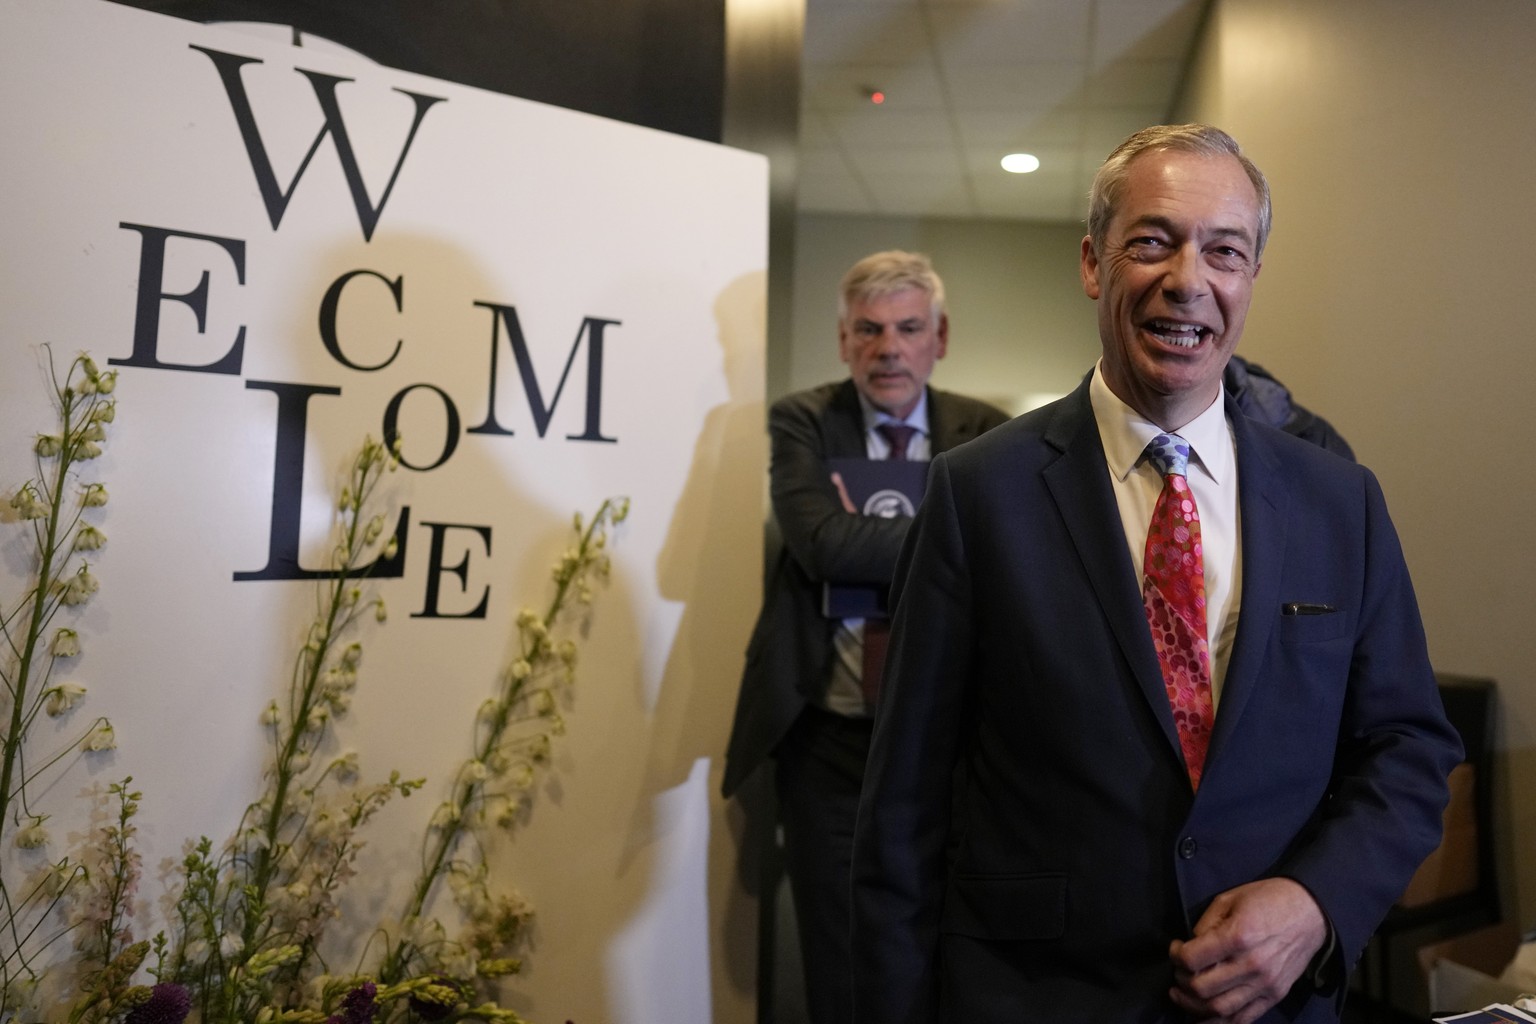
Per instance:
(169,1003)
(358,1007)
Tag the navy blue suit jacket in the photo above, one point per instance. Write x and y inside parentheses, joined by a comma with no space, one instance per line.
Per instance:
(1048,884)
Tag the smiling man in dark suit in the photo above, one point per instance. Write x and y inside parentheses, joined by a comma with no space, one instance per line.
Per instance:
(1174,656)
(804,693)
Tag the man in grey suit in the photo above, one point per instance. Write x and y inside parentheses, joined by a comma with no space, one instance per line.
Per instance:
(803,700)
(1175,658)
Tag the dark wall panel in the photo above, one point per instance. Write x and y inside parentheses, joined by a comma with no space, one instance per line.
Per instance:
(658,63)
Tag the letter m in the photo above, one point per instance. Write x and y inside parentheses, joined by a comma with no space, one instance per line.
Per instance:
(276,197)
(592,330)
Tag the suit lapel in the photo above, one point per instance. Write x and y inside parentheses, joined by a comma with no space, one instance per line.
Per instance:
(1262,503)
(844,424)
(1078,481)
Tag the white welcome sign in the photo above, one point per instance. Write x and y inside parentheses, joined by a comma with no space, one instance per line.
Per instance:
(281,250)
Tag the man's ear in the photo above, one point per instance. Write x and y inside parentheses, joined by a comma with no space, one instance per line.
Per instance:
(943,335)
(1089,267)
(842,340)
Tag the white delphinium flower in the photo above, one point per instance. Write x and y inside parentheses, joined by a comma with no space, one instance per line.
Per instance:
(63,697)
(88,538)
(79,587)
(48,445)
(33,836)
(447,814)
(520,776)
(271,714)
(95,496)
(346,767)
(66,643)
(520,669)
(100,738)
(28,504)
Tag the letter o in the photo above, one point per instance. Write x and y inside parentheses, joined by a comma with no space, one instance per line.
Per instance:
(392,425)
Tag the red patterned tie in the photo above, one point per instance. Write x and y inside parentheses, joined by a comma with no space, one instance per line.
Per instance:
(877,632)
(1173,592)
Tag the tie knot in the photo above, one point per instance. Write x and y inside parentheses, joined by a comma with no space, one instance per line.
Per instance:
(1169,453)
(897,435)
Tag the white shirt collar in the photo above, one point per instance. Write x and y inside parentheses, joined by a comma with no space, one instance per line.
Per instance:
(1126,432)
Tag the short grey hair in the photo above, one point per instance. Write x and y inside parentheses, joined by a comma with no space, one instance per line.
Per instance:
(885,273)
(1202,139)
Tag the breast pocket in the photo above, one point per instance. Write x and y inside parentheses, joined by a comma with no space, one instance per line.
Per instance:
(1312,629)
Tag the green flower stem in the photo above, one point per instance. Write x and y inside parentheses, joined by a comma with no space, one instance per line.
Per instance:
(469,790)
(17,732)
(311,664)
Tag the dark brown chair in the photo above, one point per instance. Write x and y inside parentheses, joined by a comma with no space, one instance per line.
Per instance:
(1457,888)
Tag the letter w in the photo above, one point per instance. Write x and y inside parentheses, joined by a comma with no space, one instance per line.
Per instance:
(276,197)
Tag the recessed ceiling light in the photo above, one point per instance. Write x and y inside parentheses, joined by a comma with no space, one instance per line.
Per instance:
(1020,163)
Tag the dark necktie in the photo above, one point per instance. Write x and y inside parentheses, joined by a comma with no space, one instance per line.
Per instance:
(1173,593)
(877,632)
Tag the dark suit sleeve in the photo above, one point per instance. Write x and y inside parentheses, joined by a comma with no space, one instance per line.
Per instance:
(1395,749)
(827,542)
(899,865)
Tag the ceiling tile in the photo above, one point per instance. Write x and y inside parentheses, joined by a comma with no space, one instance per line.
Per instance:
(913,86)
(864,33)
(1003,33)
(1129,82)
(1037,85)
(1145,29)
(872,161)
(1008,130)
(970,80)
(891,128)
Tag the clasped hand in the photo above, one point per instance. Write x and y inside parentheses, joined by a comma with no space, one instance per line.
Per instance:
(1248,949)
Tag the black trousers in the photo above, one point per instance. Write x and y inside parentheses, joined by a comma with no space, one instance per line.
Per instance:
(819,770)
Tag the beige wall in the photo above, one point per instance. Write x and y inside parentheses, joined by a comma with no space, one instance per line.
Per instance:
(1020,325)
(1398,139)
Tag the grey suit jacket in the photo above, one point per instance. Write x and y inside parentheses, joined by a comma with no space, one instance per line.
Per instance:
(789,655)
